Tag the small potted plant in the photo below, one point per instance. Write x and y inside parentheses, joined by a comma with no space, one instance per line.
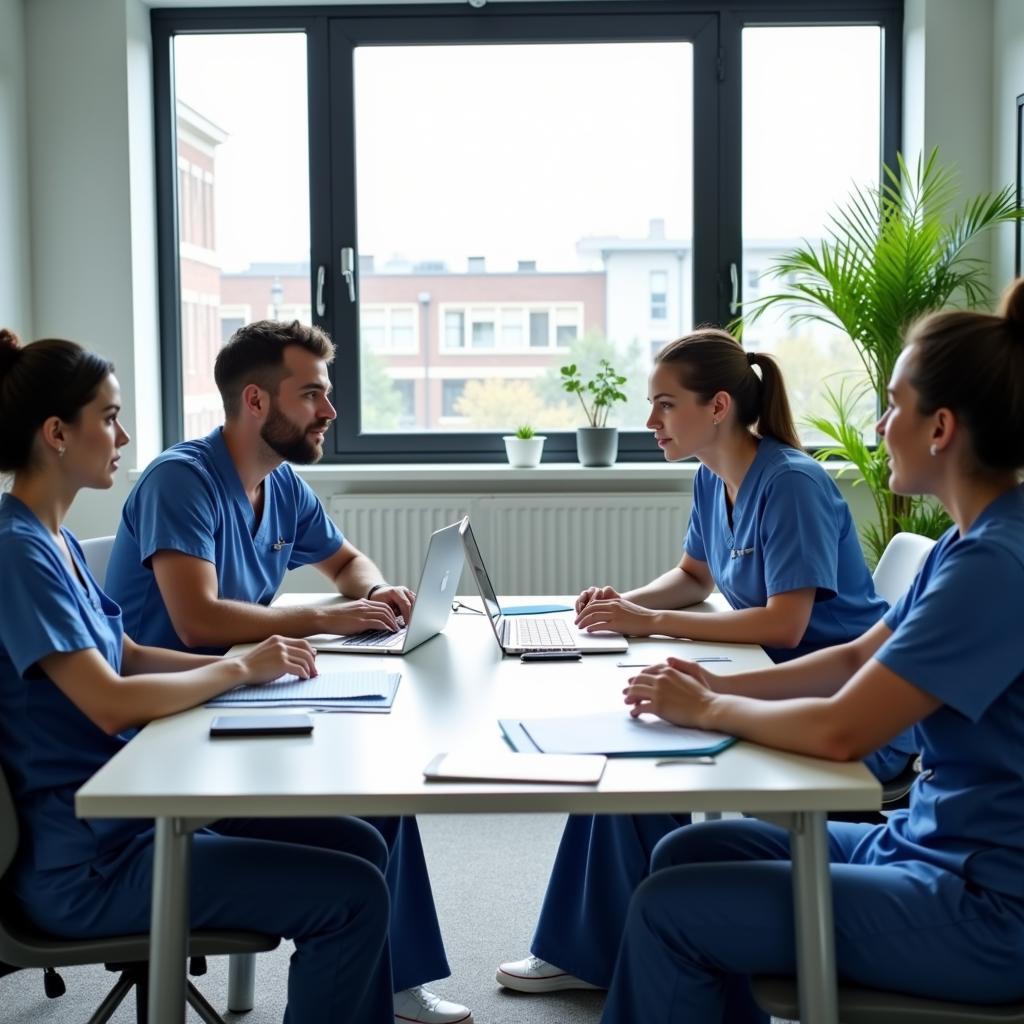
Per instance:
(596,444)
(524,447)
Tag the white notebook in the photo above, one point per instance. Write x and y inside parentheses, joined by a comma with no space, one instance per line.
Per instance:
(473,766)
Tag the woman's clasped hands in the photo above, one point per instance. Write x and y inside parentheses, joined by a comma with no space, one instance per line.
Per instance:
(678,691)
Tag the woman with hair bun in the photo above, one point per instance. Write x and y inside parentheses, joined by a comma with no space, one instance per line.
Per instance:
(932,902)
(71,682)
(770,529)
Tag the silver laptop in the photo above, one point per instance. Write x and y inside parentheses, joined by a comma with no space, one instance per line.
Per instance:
(439,580)
(516,634)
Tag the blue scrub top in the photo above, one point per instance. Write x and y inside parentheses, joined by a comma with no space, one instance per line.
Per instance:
(957,636)
(190,499)
(48,747)
(790,529)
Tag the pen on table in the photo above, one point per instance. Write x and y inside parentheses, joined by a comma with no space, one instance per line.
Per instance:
(644,664)
(696,759)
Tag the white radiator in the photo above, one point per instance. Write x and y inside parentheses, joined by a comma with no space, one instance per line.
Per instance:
(533,544)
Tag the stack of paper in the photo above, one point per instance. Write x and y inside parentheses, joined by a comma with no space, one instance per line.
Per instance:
(615,734)
(331,691)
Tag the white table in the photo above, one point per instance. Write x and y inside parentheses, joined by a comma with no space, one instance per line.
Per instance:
(453,690)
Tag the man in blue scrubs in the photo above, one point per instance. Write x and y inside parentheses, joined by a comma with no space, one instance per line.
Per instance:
(206,537)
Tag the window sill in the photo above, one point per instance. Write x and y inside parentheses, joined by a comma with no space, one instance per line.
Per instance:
(566,473)
(474,477)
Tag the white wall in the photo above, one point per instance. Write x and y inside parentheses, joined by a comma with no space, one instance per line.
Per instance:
(15,289)
(92,207)
(1007,85)
(948,49)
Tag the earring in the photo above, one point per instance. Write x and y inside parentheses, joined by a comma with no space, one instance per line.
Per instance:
(714,422)
(934,449)
(61,450)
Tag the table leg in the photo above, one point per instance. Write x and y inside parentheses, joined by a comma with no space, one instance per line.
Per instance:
(168,928)
(815,927)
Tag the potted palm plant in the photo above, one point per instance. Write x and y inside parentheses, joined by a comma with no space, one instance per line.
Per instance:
(892,254)
(596,444)
(524,448)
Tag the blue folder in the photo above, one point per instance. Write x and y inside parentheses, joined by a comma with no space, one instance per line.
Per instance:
(614,734)
(533,609)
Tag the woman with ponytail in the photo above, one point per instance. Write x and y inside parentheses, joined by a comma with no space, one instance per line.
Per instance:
(932,902)
(770,529)
(768,526)
(71,683)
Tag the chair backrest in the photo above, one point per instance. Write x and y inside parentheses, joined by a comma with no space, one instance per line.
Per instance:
(8,826)
(900,563)
(97,555)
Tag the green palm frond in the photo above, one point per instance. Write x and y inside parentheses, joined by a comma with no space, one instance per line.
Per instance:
(891,253)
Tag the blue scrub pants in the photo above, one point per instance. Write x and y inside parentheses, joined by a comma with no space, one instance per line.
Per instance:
(601,860)
(334,905)
(718,907)
(417,949)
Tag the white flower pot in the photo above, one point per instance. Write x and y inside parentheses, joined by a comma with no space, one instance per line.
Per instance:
(524,453)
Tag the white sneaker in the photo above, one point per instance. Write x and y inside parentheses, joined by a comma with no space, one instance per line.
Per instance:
(420,1006)
(536,975)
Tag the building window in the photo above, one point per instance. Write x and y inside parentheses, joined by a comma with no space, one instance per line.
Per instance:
(387,329)
(659,295)
(511,328)
(539,331)
(482,334)
(407,394)
(451,392)
(455,329)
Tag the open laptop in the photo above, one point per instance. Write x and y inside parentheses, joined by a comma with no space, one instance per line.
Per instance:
(517,634)
(439,580)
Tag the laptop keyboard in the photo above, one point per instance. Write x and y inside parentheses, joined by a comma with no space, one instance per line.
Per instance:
(542,634)
(378,638)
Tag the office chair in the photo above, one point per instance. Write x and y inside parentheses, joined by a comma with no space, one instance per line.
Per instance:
(97,556)
(778,997)
(901,561)
(23,945)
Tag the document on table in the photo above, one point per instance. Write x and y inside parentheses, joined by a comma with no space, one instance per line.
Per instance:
(330,691)
(614,734)
(476,766)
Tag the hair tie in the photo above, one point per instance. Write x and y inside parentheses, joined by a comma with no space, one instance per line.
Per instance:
(751,358)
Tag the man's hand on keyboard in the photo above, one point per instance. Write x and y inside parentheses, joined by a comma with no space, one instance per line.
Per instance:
(399,599)
(618,615)
(358,617)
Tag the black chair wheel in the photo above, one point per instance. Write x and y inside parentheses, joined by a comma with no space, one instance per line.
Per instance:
(197,966)
(53,984)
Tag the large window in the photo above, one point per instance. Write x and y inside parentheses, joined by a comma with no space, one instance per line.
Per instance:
(467,201)
(782,205)
(242,212)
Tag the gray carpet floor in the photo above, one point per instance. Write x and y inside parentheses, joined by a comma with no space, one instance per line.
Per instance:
(488,873)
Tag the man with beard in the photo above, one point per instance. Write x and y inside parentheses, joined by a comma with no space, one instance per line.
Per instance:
(206,537)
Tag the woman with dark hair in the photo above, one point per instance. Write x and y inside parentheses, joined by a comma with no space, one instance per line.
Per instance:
(932,902)
(770,529)
(71,682)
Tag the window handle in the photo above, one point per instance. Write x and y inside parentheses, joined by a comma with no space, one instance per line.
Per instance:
(321,274)
(348,271)
(734,280)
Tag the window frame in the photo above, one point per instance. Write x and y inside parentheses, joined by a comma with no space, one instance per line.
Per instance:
(333,32)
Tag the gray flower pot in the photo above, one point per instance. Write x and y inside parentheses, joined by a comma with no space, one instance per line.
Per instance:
(597,446)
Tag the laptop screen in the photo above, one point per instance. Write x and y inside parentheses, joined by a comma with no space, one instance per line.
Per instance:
(483,581)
